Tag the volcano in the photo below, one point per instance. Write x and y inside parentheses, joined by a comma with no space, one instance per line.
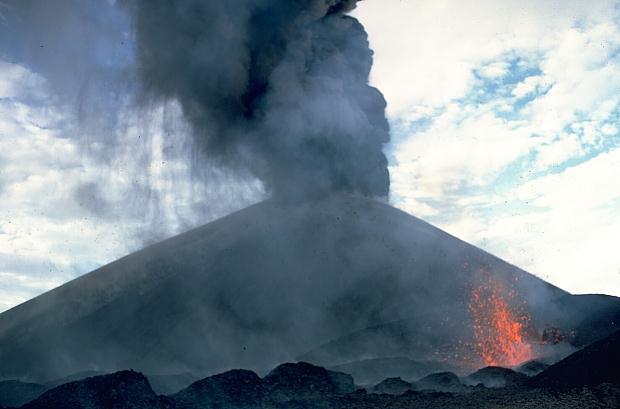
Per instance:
(336,280)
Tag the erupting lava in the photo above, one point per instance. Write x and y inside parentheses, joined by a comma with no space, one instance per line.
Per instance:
(500,324)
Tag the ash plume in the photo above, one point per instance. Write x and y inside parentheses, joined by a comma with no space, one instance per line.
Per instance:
(277,87)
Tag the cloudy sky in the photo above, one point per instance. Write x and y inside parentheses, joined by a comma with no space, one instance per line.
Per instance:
(505,133)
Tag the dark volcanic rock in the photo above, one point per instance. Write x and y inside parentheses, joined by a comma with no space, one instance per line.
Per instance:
(233,389)
(121,390)
(242,389)
(307,387)
(392,386)
(16,393)
(599,317)
(533,367)
(476,398)
(496,377)
(169,384)
(297,381)
(608,393)
(372,371)
(344,382)
(441,381)
(597,363)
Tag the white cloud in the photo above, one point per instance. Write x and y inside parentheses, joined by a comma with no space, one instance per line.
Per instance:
(462,148)
(580,188)
(17,81)
(508,92)
(558,151)
(426,51)
(609,130)
(563,227)
(531,85)
(495,69)
(411,205)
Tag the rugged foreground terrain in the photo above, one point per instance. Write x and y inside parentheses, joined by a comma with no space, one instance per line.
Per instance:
(588,378)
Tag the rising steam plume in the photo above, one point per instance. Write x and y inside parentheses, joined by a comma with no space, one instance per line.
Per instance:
(277,87)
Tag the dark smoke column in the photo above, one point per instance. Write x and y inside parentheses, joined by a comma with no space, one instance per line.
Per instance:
(279,87)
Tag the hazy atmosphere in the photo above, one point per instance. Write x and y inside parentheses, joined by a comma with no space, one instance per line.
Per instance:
(503,117)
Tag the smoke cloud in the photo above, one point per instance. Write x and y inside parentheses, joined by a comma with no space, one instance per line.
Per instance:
(279,88)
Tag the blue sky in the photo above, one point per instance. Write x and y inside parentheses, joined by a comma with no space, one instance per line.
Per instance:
(505,133)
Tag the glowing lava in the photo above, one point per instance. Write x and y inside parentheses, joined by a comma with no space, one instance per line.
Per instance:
(500,324)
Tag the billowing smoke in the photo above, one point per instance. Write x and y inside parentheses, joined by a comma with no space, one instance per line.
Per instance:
(277,87)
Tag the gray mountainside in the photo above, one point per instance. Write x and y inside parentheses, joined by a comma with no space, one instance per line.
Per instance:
(333,281)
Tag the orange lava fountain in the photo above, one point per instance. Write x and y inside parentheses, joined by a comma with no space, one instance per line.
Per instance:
(499,326)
